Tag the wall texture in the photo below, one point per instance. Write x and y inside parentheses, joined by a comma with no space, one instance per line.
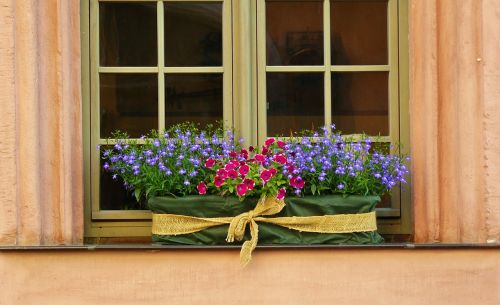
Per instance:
(40,123)
(455,68)
(274,277)
(454,77)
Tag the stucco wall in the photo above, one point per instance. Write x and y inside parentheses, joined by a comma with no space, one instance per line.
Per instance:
(340,277)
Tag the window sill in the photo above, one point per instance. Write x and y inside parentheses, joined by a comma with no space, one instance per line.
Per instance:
(150,247)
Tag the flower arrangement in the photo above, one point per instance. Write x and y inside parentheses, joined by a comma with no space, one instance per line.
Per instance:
(197,180)
(187,160)
(169,163)
(328,164)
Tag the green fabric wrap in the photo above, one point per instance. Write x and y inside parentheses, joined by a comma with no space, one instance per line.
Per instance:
(269,234)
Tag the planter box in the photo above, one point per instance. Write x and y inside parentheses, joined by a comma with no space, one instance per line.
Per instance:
(269,234)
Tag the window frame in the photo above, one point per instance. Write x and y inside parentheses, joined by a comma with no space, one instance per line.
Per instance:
(245,85)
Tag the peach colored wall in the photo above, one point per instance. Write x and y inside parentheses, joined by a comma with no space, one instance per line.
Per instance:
(491,91)
(41,148)
(274,277)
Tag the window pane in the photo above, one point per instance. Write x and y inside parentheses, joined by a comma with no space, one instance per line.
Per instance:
(295,102)
(113,194)
(360,102)
(127,34)
(193,34)
(359,32)
(193,97)
(294,32)
(128,102)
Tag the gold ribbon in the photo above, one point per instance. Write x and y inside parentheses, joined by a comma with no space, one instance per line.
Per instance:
(171,224)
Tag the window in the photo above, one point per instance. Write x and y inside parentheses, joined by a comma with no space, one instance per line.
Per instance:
(150,64)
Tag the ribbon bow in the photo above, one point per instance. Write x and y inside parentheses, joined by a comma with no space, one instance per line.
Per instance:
(170,224)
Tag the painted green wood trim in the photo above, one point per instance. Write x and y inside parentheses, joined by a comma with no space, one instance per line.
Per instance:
(120,214)
(160,21)
(85,66)
(360,68)
(261,72)
(327,58)
(127,69)
(193,70)
(94,102)
(227,61)
(296,68)
(406,226)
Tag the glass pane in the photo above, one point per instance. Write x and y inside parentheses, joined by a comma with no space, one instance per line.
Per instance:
(127,34)
(294,32)
(359,32)
(295,102)
(193,34)
(113,194)
(193,97)
(129,102)
(360,102)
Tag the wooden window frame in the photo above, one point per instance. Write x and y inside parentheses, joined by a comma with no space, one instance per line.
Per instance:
(244,69)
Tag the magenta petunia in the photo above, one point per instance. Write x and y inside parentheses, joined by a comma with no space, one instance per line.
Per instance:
(281,159)
(232,174)
(269,141)
(281,194)
(273,171)
(265,175)
(233,154)
(297,182)
(259,158)
(209,163)
(230,166)
(218,181)
(241,189)
(249,183)
(222,173)
(202,188)
(244,169)
(281,144)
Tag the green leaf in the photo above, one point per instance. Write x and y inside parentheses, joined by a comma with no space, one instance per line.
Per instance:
(137,194)
(313,189)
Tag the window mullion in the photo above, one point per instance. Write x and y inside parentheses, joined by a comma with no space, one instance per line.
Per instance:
(327,62)
(161,63)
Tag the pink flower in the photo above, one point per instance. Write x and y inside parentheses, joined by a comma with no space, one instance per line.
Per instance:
(281,144)
(297,182)
(222,173)
(232,174)
(244,169)
(281,159)
(233,154)
(241,189)
(244,153)
(229,166)
(249,183)
(269,141)
(264,150)
(202,188)
(251,148)
(209,163)
(281,194)
(218,181)
(260,158)
(273,171)
(265,175)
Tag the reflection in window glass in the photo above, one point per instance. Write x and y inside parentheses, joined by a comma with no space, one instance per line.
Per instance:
(113,194)
(295,102)
(294,32)
(193,34)
(360,102)
(128,102)
(359,32)
(193,97)
(127,34)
